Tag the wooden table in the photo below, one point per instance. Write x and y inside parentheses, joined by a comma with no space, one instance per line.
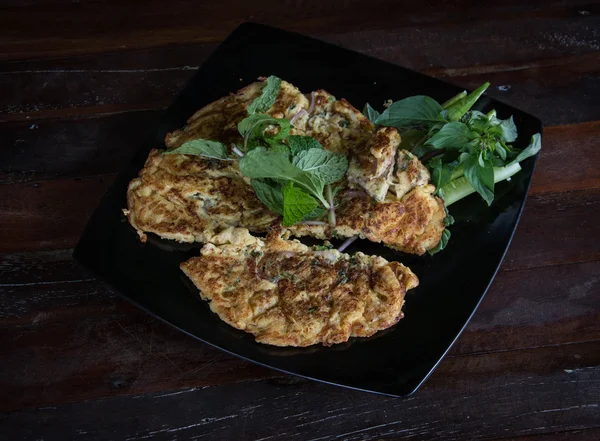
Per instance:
(80,82)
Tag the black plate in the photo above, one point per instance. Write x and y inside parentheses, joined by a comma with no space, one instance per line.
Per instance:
(395,361)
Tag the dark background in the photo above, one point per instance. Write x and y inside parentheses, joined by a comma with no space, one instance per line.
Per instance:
(80,81)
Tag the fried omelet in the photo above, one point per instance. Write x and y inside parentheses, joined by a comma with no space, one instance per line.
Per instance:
(387,197)
(289,294)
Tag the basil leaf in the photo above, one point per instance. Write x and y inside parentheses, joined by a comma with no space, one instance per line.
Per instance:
(505,129)
(413,111)
(442,243)
(480,178)
(262,163)
(330,167)
(370,113)
(267,97)
(299,143)
(297,204)
(449,219)
(476,121)
(441,173)
(531,150)
(500,150)
(452,135)
(252,129)
(201,147)
(270,193)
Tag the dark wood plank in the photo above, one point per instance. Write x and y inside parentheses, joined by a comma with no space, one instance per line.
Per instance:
(561,91)
(505,394)
(71,148)
(52,214)
(34,216)
(41,268)
(566,218)
(116,349)
(568,160)
(92,27)
(102,145)
(549,74)
(571,435)
(526,308)
(541,90)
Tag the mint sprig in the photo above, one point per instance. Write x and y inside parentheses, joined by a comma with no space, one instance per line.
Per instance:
(201,147)
(267,97)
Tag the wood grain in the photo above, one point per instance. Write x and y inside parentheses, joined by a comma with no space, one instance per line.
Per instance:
(82,82)
(530,392)
(52,215)
(524,309)
(114,25)
(557,69)
(103,145)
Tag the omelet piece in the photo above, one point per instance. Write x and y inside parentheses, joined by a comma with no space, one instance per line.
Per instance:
(191,198)
(409,173)
(372,162)
(218,120)
(387,198)
(288,294)
(413,224)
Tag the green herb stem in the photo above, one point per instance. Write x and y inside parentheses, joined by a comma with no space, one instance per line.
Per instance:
(457,109)
(331,212)
(237,151)
(454,99)
(429,156)
(419,143)
(347,243)
(312,223)
(460,188)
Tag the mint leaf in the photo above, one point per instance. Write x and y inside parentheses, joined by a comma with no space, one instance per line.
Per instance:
(317,213)
(531,150)
(330,167)
(299,143)
(201,147)
(370,113)
(452,135)
(413,111)
(267,97)
(297,204)
(262,163)
(252,129)
(480,178)
(270,193)
(281,148)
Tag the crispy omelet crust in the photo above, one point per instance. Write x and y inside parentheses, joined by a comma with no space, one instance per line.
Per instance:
(388,198)
(288,294)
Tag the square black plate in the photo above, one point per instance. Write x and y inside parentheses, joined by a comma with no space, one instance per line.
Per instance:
(453,282)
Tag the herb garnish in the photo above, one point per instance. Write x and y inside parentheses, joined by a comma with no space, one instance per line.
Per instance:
(465,150)
(267,98)
(201,147)
(291,174)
